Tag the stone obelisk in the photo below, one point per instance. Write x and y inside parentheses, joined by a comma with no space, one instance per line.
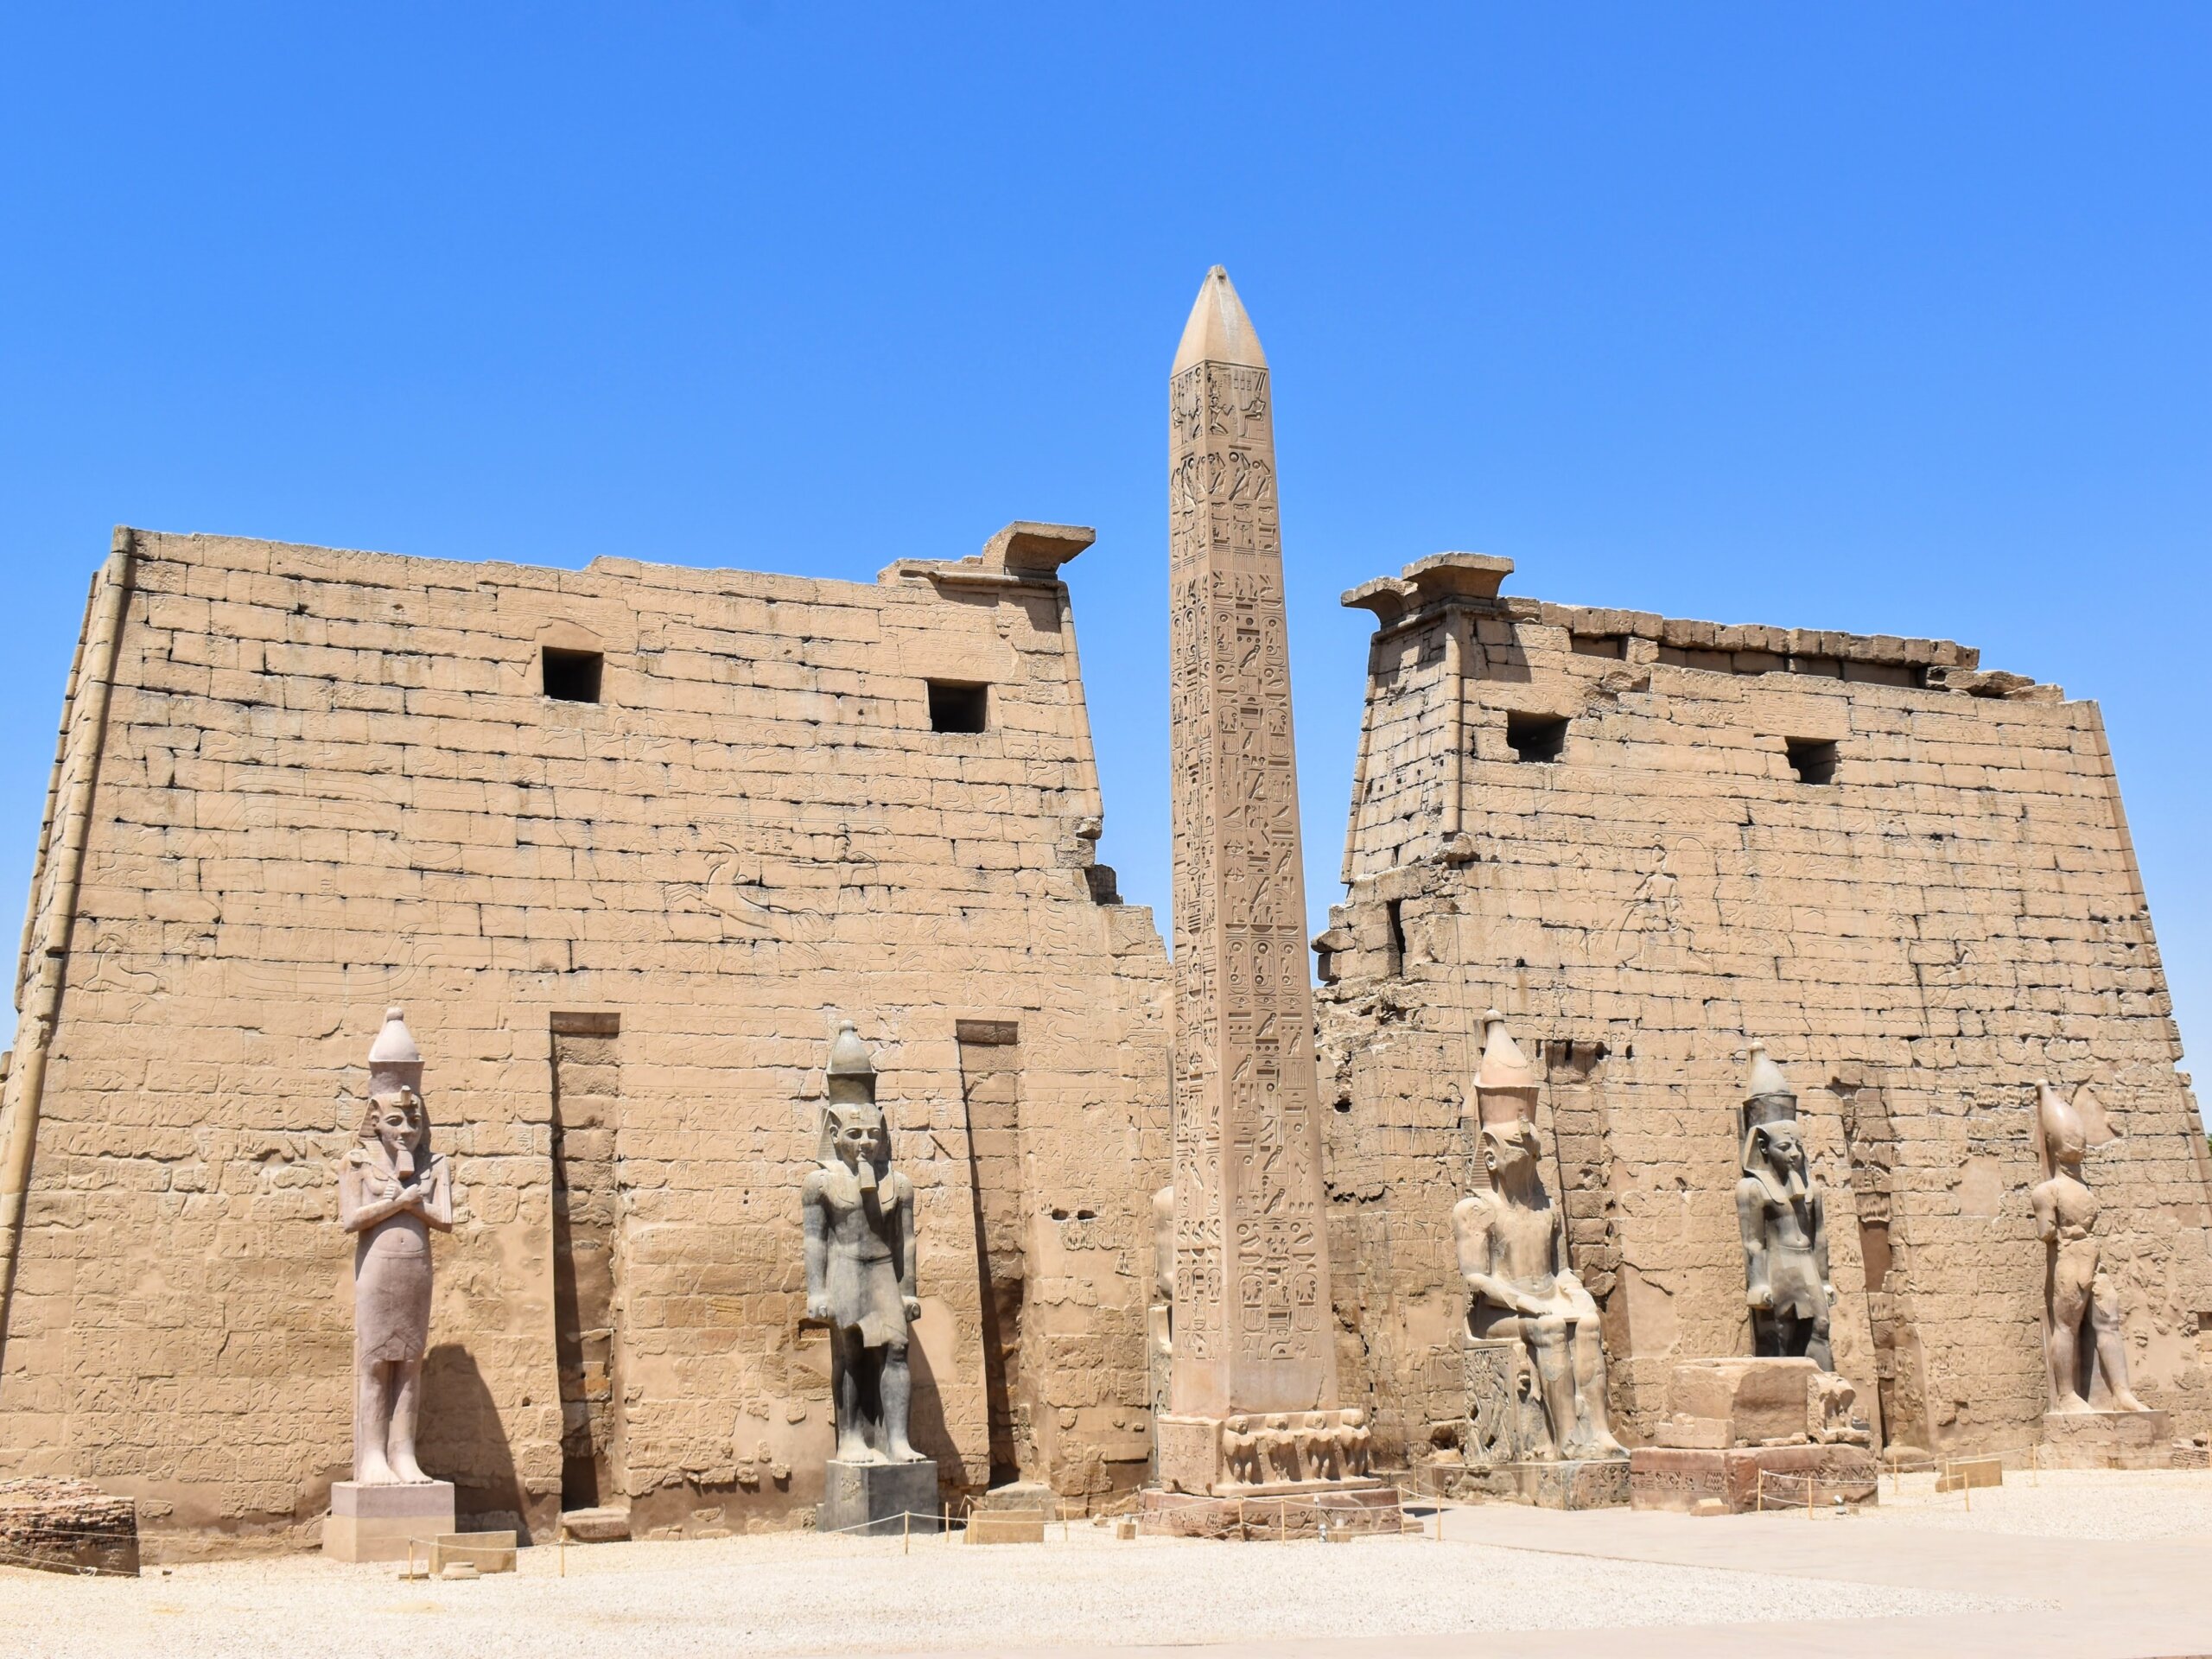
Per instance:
(1253,1332)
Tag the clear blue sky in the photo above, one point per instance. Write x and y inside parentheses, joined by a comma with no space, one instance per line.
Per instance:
(1891,318)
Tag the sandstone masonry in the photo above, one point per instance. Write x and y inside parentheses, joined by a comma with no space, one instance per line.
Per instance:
(626,842)
(1651,842)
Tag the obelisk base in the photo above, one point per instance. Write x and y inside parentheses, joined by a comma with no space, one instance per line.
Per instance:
(1314,1509)
(1298,1474)
(377,1523)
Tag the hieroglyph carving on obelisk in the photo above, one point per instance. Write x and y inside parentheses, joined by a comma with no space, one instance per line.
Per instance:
(1253,1329)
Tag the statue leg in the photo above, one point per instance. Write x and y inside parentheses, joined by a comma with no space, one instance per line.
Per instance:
(1817,1347)
(850,1360)
(1767,1340)
(2111,1345)
(372,1424)
(1589,1383)
(2064,1342)
(1548,1341)
(898,1401)
(406,1398)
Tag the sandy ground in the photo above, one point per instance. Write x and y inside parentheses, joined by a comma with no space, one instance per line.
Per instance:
(2119,1505)
(800,1594)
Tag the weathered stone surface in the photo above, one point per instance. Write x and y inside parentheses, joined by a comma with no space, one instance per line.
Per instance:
(1354,1511)
(1749,1478)
(1954,913)
(483,1552)
(323,781)
(1751,1399)
(2107,1439)
(600,1526)
(67,1526)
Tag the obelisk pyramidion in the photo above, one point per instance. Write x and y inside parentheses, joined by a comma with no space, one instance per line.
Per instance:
(1253,1329)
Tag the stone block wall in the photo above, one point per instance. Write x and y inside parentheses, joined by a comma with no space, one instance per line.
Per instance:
(328,781)
(1649,842)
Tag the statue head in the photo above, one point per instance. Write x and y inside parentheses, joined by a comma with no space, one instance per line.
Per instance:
(853,1132)
(397,1121)
(1505,1104)
(851,1072)
(1510,1152)
(2064,1132)
(854,1135)
(1774,1151)
(1782,1151)
(396,1118)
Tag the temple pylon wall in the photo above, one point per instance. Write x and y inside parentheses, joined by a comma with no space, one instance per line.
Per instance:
(1650,841)
(624,842)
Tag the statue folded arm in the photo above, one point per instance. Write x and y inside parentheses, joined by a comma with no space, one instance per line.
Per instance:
(361,1205)
(1471,1220)
(907,1230)
(1817,1211)
(817,1247)
(2046,1207)
(434,1197)
(1750,1221)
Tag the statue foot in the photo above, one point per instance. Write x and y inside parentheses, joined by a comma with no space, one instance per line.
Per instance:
(902,1453)
(1603,1445)
(2122,1400)
(2070,1403)
(376,1472)
(405,1471)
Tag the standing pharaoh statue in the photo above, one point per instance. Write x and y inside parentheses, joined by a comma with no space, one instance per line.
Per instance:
(393,1191)
(2084,1335)
(860,1262)
(1784,1225)
(1512,1246)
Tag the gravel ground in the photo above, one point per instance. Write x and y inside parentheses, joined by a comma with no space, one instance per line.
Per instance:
(797,1593)
(2117,1504)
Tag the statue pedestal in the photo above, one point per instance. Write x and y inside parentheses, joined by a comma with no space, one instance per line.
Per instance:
(1574,1484)
(878,1500)
(375,1523)
(2107,1439)
(1751,1476)
(1502,1425)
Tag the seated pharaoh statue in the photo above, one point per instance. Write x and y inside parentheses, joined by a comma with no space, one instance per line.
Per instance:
(1784,1225)
(1512,1247)
(2086,1340)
